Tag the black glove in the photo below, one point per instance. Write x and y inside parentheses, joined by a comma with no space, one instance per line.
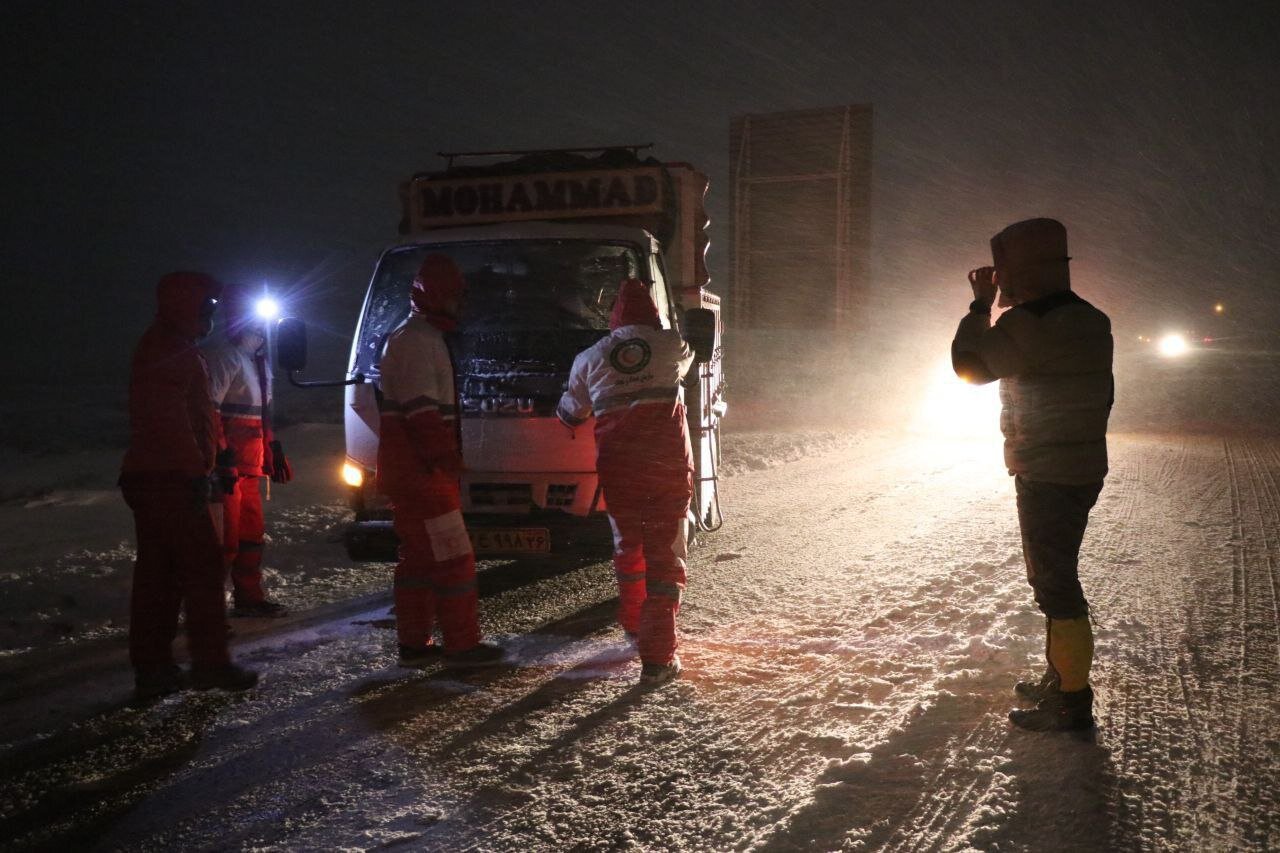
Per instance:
(279,469)
(225,470)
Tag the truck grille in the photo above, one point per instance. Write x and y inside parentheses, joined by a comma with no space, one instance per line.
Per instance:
(502,494)
(561,495)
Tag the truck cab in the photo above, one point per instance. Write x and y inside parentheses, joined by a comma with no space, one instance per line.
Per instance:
(539,291)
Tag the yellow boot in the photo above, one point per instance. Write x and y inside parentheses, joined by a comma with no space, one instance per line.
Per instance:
(1071,655)
(1071,651)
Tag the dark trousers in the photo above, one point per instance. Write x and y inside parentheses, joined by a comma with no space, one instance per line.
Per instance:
(179,568)
(1052,518)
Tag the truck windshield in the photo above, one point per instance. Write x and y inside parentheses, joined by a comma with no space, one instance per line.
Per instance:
(513,285)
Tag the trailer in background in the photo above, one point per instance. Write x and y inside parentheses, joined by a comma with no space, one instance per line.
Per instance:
(800,199)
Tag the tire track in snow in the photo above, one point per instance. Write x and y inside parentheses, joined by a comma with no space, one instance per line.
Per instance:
(1258,709)
(1268,495)
(1186,710)
(1149,711)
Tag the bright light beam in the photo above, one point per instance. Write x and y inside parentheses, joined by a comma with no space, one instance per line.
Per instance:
(951,408)
(267,308)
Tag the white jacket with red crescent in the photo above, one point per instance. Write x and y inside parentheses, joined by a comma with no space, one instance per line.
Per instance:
(633,366)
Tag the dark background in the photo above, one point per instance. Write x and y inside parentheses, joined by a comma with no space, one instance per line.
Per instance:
(263,143)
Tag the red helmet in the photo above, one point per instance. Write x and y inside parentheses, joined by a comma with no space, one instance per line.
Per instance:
(437,288)
(634,306)
(184,300)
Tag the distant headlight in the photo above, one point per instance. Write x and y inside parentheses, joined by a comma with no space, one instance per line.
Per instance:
(352,475)
(1172,346)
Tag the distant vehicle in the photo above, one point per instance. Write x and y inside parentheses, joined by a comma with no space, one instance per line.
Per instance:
(1176,344)
(544,240)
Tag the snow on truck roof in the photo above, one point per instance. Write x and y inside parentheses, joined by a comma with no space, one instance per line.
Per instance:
(531,231)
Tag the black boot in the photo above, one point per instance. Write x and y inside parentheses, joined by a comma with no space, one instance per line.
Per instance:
(479,655)
(419,657)
(1048,684)
(153,683)
(653,674)
(265,609)
(1058,712)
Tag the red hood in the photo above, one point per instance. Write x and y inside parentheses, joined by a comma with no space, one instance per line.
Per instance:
(179,298)
(438,283)
(634,306)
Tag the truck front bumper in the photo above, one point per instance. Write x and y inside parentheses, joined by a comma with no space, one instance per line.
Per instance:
(372,537)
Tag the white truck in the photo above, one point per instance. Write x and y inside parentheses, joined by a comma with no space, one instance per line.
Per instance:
(544,239)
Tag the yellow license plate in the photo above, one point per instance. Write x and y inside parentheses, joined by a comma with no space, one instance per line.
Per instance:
(506,540)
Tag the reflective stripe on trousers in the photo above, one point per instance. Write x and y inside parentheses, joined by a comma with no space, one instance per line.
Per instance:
(650,545)
(429,591)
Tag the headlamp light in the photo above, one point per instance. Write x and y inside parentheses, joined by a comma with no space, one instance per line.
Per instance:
(267,308)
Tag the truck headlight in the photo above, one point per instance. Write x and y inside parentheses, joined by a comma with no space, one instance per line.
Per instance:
(352,475)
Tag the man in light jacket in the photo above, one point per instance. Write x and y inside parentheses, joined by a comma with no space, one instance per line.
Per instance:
(1052,353)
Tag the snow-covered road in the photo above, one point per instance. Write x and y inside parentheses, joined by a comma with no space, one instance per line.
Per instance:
(850,639)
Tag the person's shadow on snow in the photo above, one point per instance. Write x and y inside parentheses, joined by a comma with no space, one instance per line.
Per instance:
(1061,780)
(959,768)
(387,703)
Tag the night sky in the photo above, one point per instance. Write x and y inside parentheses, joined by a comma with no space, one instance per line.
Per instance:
(264,142)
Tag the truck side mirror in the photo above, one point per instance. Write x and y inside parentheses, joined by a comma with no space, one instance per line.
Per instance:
(700,332)
(291,344)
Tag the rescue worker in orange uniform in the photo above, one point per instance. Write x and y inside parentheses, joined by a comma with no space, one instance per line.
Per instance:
(631,381)
(240,382)
(167,480)
(419,465)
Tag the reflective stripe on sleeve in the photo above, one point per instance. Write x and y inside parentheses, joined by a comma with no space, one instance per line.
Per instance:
(421,404)
(568,418)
